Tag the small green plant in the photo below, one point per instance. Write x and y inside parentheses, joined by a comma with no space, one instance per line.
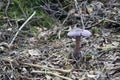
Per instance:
(96,30)
(89,54)
(46,71)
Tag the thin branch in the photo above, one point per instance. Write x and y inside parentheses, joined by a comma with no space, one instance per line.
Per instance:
(21,28)
(6,12)
(51,73)
(105,19)
(80,13)
(39,66)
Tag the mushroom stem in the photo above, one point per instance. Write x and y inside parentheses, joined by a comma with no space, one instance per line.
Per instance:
(77,47)
(78,33)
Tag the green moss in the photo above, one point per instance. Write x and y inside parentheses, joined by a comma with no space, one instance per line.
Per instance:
(20,9)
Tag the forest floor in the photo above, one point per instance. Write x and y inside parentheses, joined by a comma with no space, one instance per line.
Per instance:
(44,56)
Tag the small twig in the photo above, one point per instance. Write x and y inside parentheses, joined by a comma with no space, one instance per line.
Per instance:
(4,44)
(38,66)
(80,13)
(51,73)
(66,19)
(112,21)
(105,19)
(100,21)
(6,13)
(68,15)
(115,68)
(21,28)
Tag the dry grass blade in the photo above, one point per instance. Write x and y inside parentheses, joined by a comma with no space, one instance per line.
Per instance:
(38,66)
(51,73)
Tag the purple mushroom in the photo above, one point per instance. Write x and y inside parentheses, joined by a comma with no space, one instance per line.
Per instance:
(77,33)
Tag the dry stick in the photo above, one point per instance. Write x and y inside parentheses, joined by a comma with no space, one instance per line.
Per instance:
(6,13)
(21,28)
(51,73)
(112,21)
(105,19)
(80,13)
(38,66)
(68,15)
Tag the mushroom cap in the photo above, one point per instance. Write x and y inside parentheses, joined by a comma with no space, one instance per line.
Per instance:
(79,32)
